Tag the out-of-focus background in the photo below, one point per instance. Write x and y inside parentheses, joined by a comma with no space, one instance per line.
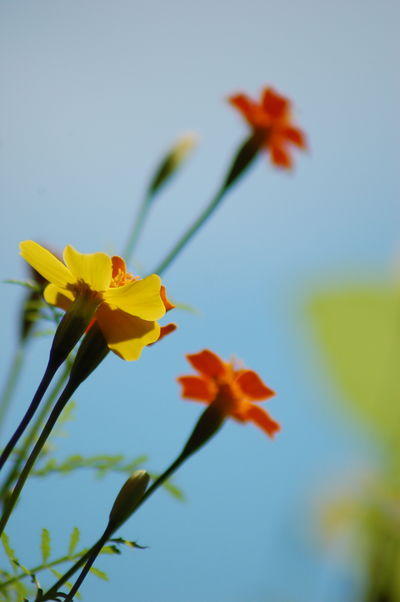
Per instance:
(297,274)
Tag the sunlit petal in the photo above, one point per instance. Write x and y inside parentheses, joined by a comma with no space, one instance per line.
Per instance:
(61,298)
(44,262)
(93,268)
(126,335)
(140,298)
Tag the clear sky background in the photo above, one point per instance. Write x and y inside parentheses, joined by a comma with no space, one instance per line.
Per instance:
(93,93)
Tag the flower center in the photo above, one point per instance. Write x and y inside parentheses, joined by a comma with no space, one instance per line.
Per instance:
(120,276)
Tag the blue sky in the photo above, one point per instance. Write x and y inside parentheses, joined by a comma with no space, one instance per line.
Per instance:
(93,95)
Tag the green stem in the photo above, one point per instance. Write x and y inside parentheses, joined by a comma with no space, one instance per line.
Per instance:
(10,383)
(22,453)
(37,398)
(243,158)
(196,225)
(58,408)
(94,552)
(39,568)
(137,229)
(91,555)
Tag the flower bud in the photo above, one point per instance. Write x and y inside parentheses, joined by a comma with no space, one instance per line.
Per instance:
(128,498)
(172,161)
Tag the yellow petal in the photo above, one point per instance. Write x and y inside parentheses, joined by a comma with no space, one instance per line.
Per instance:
(93,268)
(46,264)
(126,335)
(141,298)
(61,298)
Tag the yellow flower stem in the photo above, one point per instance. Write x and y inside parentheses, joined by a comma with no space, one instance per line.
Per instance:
(37,398)
(242,160)
(11,381)
(58,408)
(32,435)
(208,424)
(90,353)
(68,333)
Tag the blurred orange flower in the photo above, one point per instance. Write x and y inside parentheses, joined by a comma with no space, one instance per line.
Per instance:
(230,388)
(271,121)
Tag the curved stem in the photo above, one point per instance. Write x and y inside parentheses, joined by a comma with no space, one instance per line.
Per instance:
(41,390)
(61,403)
(30,438)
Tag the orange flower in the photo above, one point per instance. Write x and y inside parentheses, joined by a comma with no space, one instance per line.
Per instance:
(270,120)
(229,388)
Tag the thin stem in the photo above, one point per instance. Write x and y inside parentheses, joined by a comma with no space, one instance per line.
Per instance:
(95,551)
(137,229)
(30,438)
(196,225)
(39,568)
(242,160)
(41,390)
(91,554)
(61,403)
(10,383)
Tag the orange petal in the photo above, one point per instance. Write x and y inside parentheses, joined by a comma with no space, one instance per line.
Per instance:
(196,388)
(118,265)
(274,104)
(262,419)
(252,386)
(126,335)
(165,300)
(295,136)
(166,330)
(280,157)
(244,104)
(208,363)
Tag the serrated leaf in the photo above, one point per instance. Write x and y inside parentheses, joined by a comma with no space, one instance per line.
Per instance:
(98,573)
(359,331)
(110,550)
(73,540)
(9,551)
(45,545)
(128,543)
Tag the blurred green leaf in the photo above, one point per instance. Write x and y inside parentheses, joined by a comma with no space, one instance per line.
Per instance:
(359,328)
(9,551)
(99,574)
(73,540)
(45,545)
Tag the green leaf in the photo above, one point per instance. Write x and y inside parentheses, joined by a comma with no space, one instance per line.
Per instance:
(9,551)
(45,545)
(73,540)
(24,283)
(126,542)
(111,550)
(359,329)
(99,574)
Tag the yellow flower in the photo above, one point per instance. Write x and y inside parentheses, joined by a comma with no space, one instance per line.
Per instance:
(125,307)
